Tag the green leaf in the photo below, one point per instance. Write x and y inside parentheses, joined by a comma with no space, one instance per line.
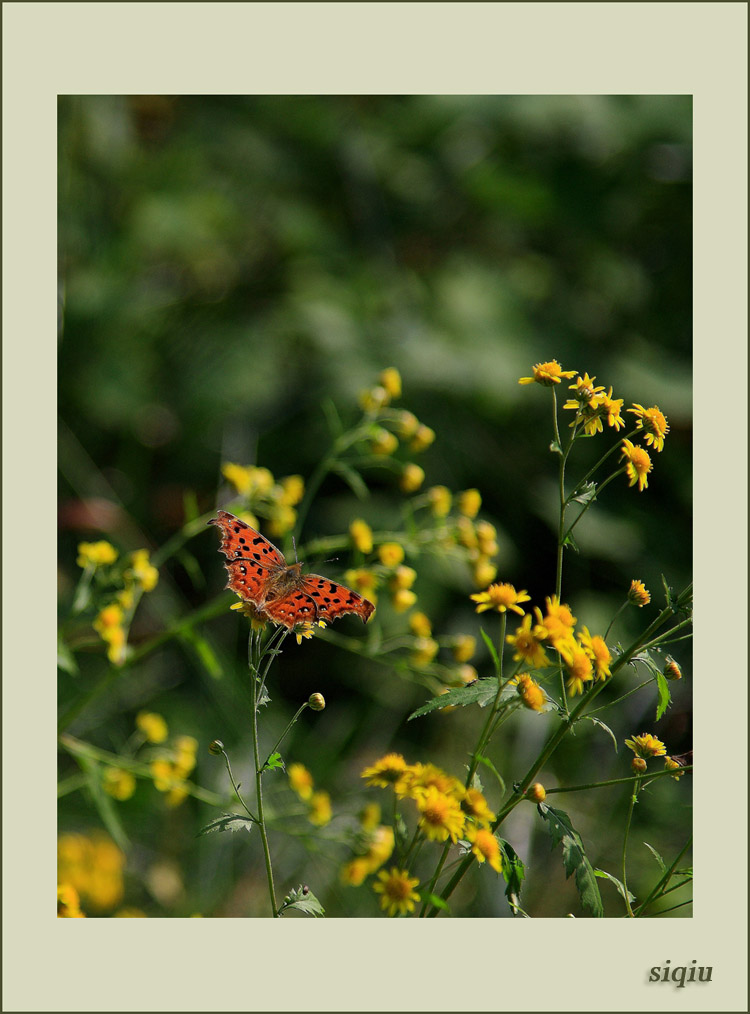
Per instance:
(604,726)
(303,899)
(514,873)
(488,764)
(603,875)
(65,659)
(103,802)
(657,857)
(229,822)
(483,692)
(586,494)
(571,543)
(352,478)
(274,762)
(556,448)
(574,857)
(204,651)
(437,902)
(665,697)
(335,426)
(492,649)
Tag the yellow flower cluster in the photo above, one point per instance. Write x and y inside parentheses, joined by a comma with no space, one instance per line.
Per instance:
(318,803)
(170,769)
(446,808)
(375,846)
(266,496)
(89,868)
(592,405)
(586,657)
(112,621)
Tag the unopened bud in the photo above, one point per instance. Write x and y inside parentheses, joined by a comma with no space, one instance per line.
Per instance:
(536,792)
(638,764)
(317,702)
(216,747)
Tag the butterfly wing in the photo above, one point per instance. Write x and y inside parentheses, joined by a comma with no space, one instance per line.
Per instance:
(333,600)
(250,558)
(294,607)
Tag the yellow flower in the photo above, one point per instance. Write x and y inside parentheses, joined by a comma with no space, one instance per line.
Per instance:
(361,534)
(474,805)
(638,594)
(402,599)
(422,438)
(162,772)
(612,408)
(306,630)
(108,625)
(485,846)
(292,490)
(420,625)
(530,692)
(486,538)
(654,424)
(300,781)
(249,480)
(672,765)
(390,379)
(468,674)
(672,670)
(465,533)
(186,747)
(372,399)
(320,809)
(597,650)
(383,443)
(143,570)
(379,844)
(282,520)
(369,818)
(500,597)
(130,913)
(397,888)
(364,581)
(425,649)
(469,502)
(557,625)
(442,816)
(391,554)
(584,393)
(579,667)
(407,424)
(548,374)
(153,726)
(387,771)
(638,464)
(412,478)
(177,794)
(93,867)
(464,646)
(646,746)
(422,777)
(484,571)
(68,903)
(355,871)
(403,577)
(528,646)
(440,499)
(94,554)
(119,783)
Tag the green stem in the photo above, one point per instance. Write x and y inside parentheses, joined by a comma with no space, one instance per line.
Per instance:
(628,822)
(253,650)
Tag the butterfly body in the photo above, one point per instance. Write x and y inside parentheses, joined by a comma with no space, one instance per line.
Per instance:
(280,592)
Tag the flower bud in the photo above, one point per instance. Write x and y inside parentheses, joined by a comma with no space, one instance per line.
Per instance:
(216,747)
(317,702)
(536,793)
(672,670)
(638,764)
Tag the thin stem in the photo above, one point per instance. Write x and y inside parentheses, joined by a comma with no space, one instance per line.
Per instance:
(628,822)
(254,677)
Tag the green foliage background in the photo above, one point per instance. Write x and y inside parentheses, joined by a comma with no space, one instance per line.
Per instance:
(227,264)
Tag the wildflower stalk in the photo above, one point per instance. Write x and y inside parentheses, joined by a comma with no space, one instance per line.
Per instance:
(563,729)
(255,657)
(628,822)
(660,887)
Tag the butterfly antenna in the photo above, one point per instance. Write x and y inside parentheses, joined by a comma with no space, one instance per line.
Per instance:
(294,543)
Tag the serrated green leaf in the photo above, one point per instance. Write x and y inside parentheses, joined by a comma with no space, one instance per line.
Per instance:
(492,650)
(665,697)
(575,860)
(657,857)
(604,726)
(482,693)
(603,875)
(274,762)
(228,822)
(586,494)
(303,899)
(514,873)
(571,543)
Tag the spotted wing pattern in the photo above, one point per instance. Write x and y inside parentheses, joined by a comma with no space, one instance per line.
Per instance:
(251,558)
(258,573)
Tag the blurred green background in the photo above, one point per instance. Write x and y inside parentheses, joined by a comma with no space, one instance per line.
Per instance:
(227,263)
